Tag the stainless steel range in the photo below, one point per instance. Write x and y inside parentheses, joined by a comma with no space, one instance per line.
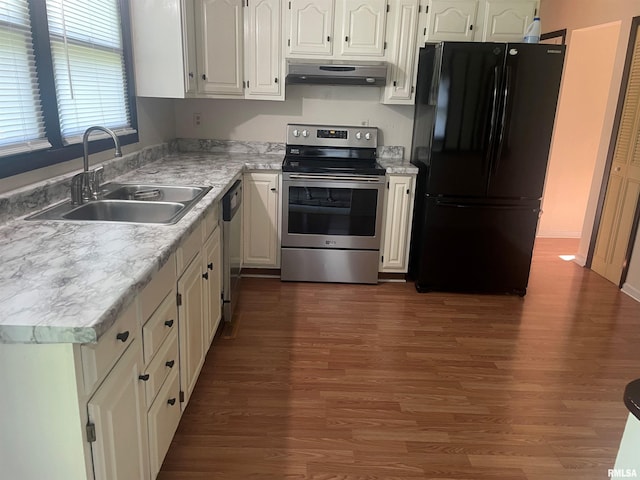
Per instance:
(332,193)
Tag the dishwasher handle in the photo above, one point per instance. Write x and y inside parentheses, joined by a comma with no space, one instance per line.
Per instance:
(232,201)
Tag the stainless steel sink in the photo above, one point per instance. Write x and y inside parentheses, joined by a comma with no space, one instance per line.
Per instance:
(130,203)
(126,211)
(166,193)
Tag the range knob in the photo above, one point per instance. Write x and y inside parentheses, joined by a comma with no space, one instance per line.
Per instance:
(296,132)
(358,135)
(305,133)
(367,136)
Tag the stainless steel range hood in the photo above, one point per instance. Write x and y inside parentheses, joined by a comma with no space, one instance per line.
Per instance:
(336,72)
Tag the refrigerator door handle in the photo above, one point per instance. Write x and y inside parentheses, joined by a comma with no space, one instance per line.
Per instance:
(503,120)
(435,78)
(486,206)
(494,114)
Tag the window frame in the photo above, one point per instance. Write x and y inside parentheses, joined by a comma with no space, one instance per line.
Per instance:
(59,152)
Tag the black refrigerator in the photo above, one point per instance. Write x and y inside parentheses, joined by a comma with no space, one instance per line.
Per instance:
(482,130)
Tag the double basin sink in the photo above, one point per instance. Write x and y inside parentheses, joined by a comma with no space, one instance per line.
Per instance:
(130,203)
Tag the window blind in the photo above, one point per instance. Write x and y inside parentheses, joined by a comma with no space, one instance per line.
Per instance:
(89,68)
(21,122)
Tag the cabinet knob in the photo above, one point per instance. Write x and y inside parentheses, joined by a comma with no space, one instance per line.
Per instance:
(204,77)
(205,275)
(273,189)
(144,377)
(169,323)
(328,38)
(210,266)
(346,39)
(191,75)
(171,401)
(122,336)
(275,80)
(170,363)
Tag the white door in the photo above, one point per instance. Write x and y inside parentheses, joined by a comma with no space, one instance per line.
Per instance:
(213,268)
(363,27)
(310,27)
(451,20)
(263,50)
(623,186)
(219,32)
(191,326)
(507,21)
(118,412)
(260,216)
(399,210)
(403,52)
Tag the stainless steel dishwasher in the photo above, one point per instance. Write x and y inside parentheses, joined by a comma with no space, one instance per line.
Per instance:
(232,248)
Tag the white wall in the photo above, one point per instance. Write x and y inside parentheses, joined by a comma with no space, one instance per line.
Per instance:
(156,124)
(254,120)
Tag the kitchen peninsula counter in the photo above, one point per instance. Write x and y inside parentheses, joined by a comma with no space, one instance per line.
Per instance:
(67,281)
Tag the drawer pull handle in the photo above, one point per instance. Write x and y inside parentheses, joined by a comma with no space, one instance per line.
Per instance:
(170,363)
(171,401)
(123,336)
(205,275)
(169,323)
(210,266)
(144,377)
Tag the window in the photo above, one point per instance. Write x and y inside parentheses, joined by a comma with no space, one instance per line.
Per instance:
(65,65)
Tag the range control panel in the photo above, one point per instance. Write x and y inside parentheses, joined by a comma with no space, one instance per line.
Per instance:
(332,136)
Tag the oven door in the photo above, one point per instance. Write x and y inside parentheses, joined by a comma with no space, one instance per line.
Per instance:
(332,211)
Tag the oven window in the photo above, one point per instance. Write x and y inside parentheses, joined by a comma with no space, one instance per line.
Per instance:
(332,211)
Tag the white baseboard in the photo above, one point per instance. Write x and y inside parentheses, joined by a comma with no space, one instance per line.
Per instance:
(553,234)
(632,291)
(580,260)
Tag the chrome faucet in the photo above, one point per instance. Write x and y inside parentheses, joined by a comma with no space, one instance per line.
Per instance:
(85,186)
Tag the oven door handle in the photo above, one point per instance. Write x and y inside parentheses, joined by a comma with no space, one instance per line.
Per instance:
(337,178)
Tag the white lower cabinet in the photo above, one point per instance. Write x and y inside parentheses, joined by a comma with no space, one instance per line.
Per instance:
(398,211)
(212,259)
(118,414)
(260,216)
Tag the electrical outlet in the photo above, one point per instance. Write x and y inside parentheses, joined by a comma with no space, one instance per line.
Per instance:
(197,119)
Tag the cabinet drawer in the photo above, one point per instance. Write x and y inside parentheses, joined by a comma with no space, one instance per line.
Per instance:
(159,326)
(165,362)
(99,358)
(189,249)
(163,420)
(161,284)
(210,221)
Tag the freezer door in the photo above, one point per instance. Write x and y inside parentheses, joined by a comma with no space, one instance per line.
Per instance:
(465,117)
(530,94)
(476,247)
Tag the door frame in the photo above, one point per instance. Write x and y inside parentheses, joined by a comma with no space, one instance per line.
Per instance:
(635,31)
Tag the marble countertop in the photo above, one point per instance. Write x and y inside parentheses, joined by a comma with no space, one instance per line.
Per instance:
(67,282)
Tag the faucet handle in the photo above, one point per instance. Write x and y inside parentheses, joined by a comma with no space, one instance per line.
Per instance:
(77,187)
(95,179)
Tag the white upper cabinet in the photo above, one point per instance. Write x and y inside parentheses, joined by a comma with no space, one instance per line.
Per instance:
(336,28)
(310,27)
(451,20)
(219,45)
(506,20)
(263,50)
(403,24)
(363,25)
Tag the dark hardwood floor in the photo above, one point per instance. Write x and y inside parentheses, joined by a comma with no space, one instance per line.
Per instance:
(325,381)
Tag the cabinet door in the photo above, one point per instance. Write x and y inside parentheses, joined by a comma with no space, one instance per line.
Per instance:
(310,27)
(363,27)
(399,210)
(118,412)
(260,216)
(506,21)
(263,50)
(191,326)
(213,267)
(219,32)
(451,20)
(189,47)
(403,61)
